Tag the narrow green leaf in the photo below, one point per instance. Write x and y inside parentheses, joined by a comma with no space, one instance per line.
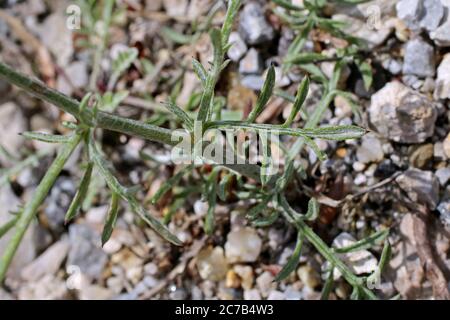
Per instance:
(315,148)
(45,137)
(313,210)
(266,165)
(200,71)
(307,57)
(365,243)
(266,221)
(223,186)
(254,212)
(375,278)
(264,96)
(170,183)
(176,36)
(80,195)
(293,261)
(286,4)
(302,93)
(233,9)
(366,71)
(180,113)
(211,189)
(328,286)
(111,218)
(8,226)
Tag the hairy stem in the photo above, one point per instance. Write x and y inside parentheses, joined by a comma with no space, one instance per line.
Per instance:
(31,208)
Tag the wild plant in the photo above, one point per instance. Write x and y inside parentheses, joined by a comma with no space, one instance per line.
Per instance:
(267,192)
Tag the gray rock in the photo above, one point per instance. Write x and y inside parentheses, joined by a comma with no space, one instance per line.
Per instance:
(421,186)
(58,202)
(85,252)
(77,73)
(253,25)
(48,263)
(444,210)
(12,123)
(442,90)
(254,82)
(434,12)
(401,114)
(410,12)
(419,58)
(393,66)
(441,35)
(243,245)
(175,8)
(238,48)
(443,175)
(251,63)
(371,149)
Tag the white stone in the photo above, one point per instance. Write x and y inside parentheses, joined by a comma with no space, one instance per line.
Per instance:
(243,245)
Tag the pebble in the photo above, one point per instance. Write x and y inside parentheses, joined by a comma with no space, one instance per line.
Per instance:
(446,146)
(58,202)
(211,264)
(254,82)
(421,186)
(48,262)
(276,295)
(252,294)
(12,123)
(251,63)
(371,149)
(360,179)
(441,35)
(444,210)
(443,175)
(434,12)
(77,74)
(419,58)
(85,252)
(394,66)
(265,283)
(401,114)
(309,276)
(409,11)
(443,79)
(246,275)
(253,25)
(238,48)
(243,245)
(175,8)
(422,155)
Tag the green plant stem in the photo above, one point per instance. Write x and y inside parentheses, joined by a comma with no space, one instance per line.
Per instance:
(104,120)
(31,208)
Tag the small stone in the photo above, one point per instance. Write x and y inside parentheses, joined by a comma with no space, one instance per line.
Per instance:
(419,58)
(410,12)
(422,155)
(246,275)
(85,252)
(238,48)
(153,5)
(48,262)
(360,179)
(175,8)
(371,149)
(252,294)
(442,90)
(12,124)
(251,63)
(342,107)
(439,152)
(444,210)
(265,283)
(443,175)
(232,280)
(211,264)
(393,66)
(421,186)
(253,25)
(434,12)
(58,202)
(254,82)
(243,245)
(276,295)
(200,208)
(309,276)
(441,35)
(446,146)
(358,166)
(361,262)
(77,74)
(401,114)
(292,294)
